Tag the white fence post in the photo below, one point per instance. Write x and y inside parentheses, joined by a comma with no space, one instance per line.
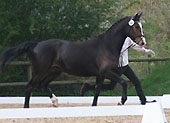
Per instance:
(165,101)
(153,113)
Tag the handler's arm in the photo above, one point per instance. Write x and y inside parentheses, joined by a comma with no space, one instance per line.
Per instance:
(141,49)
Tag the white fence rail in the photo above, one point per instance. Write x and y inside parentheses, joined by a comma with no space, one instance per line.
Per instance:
(65,100)
(152,112)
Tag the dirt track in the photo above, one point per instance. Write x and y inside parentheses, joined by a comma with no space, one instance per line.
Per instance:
(106,119)
(60,105)
(124,119)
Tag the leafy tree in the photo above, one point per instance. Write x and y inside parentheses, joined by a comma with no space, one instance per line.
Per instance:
(36,20)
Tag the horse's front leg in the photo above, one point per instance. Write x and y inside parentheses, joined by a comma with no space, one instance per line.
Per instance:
(99,83)
(124,92)
(115,77)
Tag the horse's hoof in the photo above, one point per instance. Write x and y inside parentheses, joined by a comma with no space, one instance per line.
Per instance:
(55,105)
(119,104)
(123,100)
(143,102)
(26,107)
(94,104)
(54,101)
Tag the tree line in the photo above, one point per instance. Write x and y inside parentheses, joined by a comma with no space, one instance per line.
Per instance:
(36,20)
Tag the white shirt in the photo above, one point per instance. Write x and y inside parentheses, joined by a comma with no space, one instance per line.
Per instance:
(123,59)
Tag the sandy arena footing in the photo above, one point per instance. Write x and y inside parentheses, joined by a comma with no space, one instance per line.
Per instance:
(100,119)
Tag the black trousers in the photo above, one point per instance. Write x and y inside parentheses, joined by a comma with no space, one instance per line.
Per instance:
(129,73)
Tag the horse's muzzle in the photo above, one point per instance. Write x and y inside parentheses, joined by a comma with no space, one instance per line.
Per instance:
(141,41)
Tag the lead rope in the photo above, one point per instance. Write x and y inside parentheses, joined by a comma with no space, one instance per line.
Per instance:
(121,56)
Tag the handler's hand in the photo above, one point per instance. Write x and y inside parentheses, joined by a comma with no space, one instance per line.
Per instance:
(150,52)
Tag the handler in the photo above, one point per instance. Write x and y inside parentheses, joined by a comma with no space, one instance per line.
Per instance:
(125,69)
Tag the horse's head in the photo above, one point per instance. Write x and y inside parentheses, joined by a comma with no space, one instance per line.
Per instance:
(136,31)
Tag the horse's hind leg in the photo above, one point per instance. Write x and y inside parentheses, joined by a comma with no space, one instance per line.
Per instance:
(29,88)
(45,88)
(124,91)
(86,87)
(28,94)
(106,86)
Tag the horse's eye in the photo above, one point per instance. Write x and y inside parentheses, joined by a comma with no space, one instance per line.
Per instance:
(137,26)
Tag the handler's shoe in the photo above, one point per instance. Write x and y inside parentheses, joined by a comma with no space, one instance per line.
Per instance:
(143,100)
(151,101)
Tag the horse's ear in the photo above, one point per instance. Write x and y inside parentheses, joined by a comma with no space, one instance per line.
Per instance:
(137,16)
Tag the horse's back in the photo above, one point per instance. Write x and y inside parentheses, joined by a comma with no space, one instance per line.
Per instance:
(70,57)
(61,53)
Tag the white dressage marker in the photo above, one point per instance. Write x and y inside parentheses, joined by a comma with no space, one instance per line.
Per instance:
(166,101)
(153,113)
(71,112)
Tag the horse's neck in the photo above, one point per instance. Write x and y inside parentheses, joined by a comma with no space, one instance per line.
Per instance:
(115,37)
(114,42)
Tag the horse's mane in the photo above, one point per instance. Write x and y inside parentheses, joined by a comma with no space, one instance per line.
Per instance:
(118,22)
(113,27)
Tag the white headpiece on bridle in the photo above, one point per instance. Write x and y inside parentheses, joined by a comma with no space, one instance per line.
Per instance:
(131,22)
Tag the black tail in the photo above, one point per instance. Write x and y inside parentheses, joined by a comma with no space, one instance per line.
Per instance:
(10,53)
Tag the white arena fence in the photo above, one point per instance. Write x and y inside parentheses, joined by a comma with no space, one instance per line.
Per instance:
(152,112)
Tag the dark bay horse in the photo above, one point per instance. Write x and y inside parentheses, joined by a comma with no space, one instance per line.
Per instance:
(95,57)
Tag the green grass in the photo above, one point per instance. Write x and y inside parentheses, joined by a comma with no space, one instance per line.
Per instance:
(157,82)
